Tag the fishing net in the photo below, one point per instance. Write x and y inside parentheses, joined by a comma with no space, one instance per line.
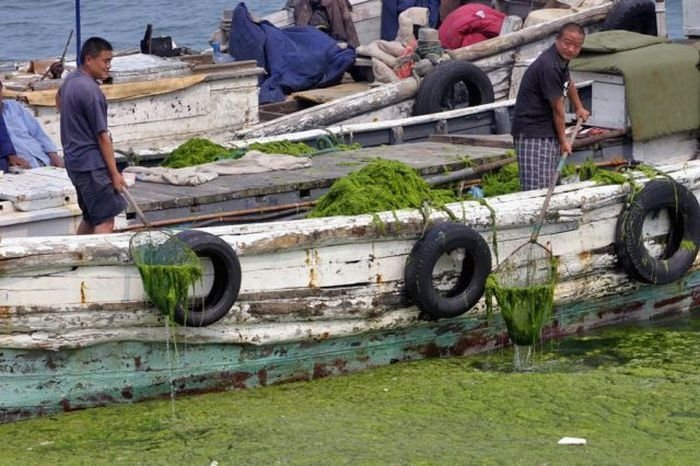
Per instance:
(168,268)
(523,285)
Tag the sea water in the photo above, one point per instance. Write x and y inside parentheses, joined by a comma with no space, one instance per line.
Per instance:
(631,392)
(39,28)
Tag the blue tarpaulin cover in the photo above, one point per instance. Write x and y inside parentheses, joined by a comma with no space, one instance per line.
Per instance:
(294,58)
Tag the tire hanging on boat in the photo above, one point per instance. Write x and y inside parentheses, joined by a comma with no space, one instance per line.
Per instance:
(632,15)
(225,286)
(453,84)
(443,239)
(681,241)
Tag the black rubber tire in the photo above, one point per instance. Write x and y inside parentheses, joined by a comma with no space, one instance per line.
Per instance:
(437,86)
(441,239)
(632,15)
(676,259)
(227,280)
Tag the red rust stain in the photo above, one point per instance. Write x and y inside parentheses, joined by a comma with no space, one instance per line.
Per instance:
(320,370)
(262,377)
(239,379)
(431,350)
(672,300)
(128,393)
(624,309)
(585,256)
(468,344)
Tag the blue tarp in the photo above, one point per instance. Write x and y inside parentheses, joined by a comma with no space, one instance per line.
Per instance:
(392,8)
(294,58)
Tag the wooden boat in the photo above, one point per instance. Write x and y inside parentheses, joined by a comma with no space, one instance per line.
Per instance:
(153,99)
(502,59)
(156,101)
(307,298)
(33,206)
(302,299)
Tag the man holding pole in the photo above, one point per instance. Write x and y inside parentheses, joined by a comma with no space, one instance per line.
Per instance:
(87,144)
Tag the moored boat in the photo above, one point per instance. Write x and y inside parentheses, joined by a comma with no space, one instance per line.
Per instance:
(316,297)
(158,100)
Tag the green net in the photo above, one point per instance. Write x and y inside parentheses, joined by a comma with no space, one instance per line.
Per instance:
(169,268)
(523,285)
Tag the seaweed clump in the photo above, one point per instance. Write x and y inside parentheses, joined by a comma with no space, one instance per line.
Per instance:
(525,309)
(168,285)
(169,268)
(296,149)
(503,181)
(196,151)
(380,186)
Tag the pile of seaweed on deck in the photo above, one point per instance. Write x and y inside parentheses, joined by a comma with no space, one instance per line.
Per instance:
(382,185)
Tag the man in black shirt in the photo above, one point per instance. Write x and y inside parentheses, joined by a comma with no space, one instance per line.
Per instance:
(539,120)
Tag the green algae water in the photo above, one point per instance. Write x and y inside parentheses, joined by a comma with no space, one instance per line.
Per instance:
(631,392)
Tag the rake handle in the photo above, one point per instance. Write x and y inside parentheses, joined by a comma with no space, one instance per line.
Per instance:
(135,206)
(560,167)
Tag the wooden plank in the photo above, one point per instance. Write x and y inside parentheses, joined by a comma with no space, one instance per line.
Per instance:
(328,94)
(427,157)
(503,141)
(36,189)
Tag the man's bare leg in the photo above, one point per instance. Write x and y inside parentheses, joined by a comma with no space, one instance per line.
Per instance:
(104,227)
(85,228)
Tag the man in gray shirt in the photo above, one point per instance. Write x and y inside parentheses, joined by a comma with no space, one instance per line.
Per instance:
(87,144)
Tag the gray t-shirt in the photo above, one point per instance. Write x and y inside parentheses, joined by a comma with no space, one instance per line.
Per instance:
(83,118)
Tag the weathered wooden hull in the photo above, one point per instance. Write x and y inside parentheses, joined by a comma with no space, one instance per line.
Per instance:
(318,297)
(219,98)
(40,382)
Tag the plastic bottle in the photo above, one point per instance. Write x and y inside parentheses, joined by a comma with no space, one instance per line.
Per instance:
(218,56)
(476,192)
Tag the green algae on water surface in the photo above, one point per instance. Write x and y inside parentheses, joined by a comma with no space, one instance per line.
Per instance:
(380,186)
(525,309)
(630,391)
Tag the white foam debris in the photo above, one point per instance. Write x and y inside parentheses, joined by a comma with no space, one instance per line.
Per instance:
(571,441)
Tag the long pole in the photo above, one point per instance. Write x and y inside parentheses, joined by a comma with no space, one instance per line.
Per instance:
(77,32)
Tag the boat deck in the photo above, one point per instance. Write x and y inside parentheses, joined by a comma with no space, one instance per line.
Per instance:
(279,189)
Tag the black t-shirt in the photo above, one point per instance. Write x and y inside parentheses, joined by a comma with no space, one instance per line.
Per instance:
(547,78)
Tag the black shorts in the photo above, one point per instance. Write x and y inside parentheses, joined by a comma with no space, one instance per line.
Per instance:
(96,196)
